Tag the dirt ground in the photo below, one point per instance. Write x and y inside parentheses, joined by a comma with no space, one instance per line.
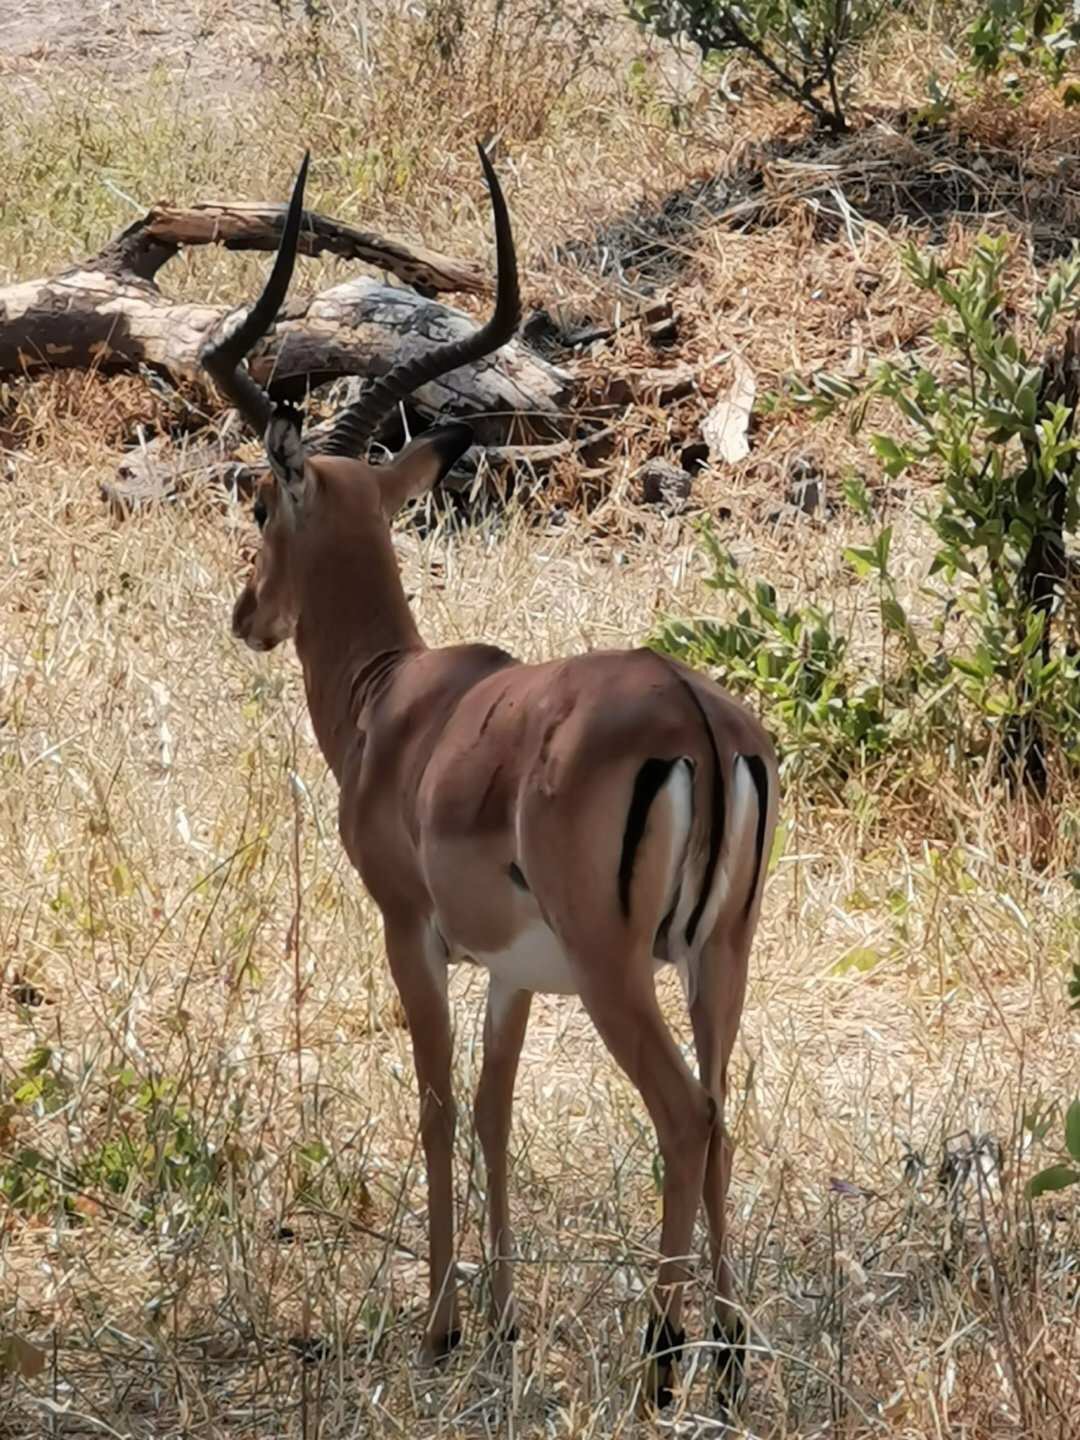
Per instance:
(206,43)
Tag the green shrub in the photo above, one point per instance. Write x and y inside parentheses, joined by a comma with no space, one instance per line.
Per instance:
(990,425)
(1025,34)
(800,47)
(155,1157)
(829,716)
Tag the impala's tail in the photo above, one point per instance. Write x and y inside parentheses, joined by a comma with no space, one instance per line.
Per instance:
(722,887)
(713,851)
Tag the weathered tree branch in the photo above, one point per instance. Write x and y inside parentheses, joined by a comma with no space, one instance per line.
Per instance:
(108,314)
(145,246)
(164,468)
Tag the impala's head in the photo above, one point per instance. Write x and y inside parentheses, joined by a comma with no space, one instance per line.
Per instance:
(328,484)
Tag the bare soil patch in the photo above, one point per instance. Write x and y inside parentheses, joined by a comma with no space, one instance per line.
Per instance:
(199,46)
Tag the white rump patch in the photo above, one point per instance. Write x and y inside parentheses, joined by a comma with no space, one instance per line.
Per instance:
(678,790)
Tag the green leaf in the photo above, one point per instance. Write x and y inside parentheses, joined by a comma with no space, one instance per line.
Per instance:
(890,454)
(893,616)
(1072,1130)
(1038,1126)
(1033,636)
(857,496)
(658,1173)
(861,559)
(1054,1177)
(779,844)
(37,1060)
(913,411)
(862,959)
(833,387)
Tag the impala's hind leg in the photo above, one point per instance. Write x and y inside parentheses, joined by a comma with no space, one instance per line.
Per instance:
(715,1012)
(629,1021)
(610,891)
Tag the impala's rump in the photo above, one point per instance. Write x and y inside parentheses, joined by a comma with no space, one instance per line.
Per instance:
(525,762)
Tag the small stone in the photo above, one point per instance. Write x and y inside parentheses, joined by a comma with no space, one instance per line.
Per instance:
(543,332)
(664,484)
(806,494)
(694,457)
(24,993)
(661,325)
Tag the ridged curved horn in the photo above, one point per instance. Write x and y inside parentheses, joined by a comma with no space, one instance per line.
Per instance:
(357,423)
(224,358)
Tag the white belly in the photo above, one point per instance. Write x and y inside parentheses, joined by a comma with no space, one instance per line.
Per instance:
(535,961)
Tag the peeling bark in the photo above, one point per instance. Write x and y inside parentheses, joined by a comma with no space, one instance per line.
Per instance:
(145,246)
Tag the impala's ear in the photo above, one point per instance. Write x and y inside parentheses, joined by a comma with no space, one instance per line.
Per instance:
(422,462)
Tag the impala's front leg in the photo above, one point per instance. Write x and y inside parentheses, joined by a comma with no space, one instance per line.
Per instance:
(504,1034)
(420,976)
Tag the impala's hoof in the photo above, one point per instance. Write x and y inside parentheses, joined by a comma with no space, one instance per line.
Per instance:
(730,1363)
(663,1345)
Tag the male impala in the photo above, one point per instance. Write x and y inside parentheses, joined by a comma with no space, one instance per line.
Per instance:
(570,826)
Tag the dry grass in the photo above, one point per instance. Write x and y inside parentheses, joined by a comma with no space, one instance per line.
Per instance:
(160,925)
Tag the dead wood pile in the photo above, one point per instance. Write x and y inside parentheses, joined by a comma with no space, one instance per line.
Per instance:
(108,314)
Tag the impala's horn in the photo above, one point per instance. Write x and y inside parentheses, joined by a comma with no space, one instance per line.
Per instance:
(355,426)
(224,358)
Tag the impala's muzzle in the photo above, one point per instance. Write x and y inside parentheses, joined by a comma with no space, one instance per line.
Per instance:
(243,613)
(247,625)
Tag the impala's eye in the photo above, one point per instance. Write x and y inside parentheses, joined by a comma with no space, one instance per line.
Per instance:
(259,512)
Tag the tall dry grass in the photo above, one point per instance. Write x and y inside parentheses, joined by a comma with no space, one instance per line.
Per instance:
(206,1090)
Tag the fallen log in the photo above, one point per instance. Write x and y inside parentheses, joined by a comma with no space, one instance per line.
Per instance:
(163,469)
(108,314)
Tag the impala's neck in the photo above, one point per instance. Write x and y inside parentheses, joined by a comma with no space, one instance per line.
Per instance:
(354,625)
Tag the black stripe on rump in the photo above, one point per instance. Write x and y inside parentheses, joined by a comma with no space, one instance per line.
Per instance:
(760,776)
(650,777)
(719,816)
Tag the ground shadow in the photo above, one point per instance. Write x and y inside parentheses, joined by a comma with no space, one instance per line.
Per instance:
(890,170)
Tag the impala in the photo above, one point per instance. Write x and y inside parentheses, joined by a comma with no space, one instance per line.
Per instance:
(570,826)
